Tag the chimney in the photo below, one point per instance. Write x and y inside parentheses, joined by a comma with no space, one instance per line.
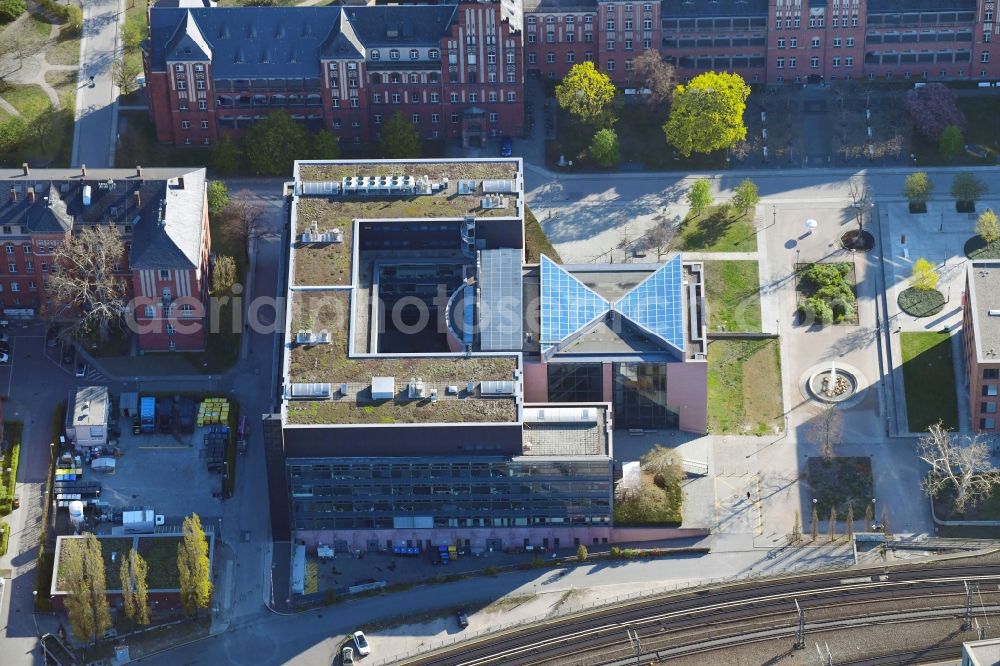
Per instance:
(13,194)
(137,199)
(24,166)
(138,171)
(83,170)
(31,194)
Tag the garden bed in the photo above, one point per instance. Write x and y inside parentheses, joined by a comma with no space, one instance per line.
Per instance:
(920,302)
(839,483)
(651,505)
(733,292)
(977,248)
(987,509)
(744,387)
(832,284)
(719,229)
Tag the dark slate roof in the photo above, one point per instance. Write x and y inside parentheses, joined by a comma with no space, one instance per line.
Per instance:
(901,6)
(544,6)
(176,194)
(253,42)
(704,8)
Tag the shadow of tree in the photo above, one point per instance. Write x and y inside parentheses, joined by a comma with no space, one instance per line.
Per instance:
(707,231)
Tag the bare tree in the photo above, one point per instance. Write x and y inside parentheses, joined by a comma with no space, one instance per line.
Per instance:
(14,48)
(861,200)
(87,289)
(796,535)
(660,238)
(243,221)
(833,523)
(962,464)
(824,430)
(657,75)
(124,73)
(661,461)
(815,523)
(850,520)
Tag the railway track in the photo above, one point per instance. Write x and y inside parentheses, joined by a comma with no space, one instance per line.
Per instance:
(696,621)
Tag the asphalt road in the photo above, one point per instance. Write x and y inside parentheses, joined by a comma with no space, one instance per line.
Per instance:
(95,132)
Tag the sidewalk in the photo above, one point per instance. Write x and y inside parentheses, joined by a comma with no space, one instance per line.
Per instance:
(96,129)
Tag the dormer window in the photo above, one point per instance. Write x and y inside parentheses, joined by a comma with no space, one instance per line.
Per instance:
(352,66)
(433,54)
(199,68)
(178,68)
(414,54)
(394,54)
(376,54)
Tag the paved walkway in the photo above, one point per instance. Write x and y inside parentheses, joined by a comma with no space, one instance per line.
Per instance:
(31,70)
(96,129)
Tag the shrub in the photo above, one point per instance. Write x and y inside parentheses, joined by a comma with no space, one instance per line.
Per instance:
(4,537)
(490,571)
(988,226)
(10,10)
(822,275)
(538,562)
(581,553)
(816,310)
(616,552)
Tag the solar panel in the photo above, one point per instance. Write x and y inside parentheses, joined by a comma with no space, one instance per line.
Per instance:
(500,300)
(567,304)
(657,305)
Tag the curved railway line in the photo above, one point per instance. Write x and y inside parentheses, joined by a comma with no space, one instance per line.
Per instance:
(699,621)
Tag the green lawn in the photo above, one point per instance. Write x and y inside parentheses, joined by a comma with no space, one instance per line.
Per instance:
(717,230)
(982,129)
(733,290)
(929,380)
(536,242)
(30,100)
(744,387)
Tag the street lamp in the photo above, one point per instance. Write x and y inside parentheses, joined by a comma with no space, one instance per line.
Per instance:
(811,225)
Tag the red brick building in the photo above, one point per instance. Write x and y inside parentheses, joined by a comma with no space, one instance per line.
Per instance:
(772,41)
(453,69)
(162,215)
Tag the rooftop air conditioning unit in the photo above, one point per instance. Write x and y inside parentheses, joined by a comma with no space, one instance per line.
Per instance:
(303,337)
(333,236)
(415,389)
(324,336)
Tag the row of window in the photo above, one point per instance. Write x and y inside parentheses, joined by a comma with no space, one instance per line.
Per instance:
(719,42)
(415,119)
(16,286)
(924,56)
(399,98)
(793,42)
(913,37)
(610,44)
(29,267)
(432,54)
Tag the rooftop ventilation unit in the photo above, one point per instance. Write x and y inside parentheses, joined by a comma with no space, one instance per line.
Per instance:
(500,389)
(332,236)
(995,313)
(312,235)
(86,195)
(309,391)
(304,337)
(415,389)
(383,388)
(467,186)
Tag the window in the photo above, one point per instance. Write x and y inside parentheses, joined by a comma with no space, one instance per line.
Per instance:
(9,248)
(780,63)
(550,37)
(454,98)
(375,54)
(848,61)
(854,23)
(395,98)
(181,84)
(492,96)
(493,117)
(29,265)
(791,62)
(378,118)
(611,43)
(990,390)
(611,65)
(415,118)
(454,117)
(511,58)
(15,286)
(814,62)
(815,42)
(793,42)
(570,57)
(781,43)
(377,98)
(185,124)
(45,267)
(531,38)
(589,56)
(414,78)
(550,57)
(204,124)
(836,62)
(170,329)
(798,22)
(628,24)
(984,424)
(991,373)
(988,408)
(532,58)
(435,117)
(199,84)
(187,310)
(473,97)
(414,54)
(611,25)
(985,57)
(511,96)
(647,43)
(850,42)
(434,54)
(647,24)
(26,248)
(11,267)
(202,104)
(178,68)
(777,24)
(32,286)
(836,42)
(628,44)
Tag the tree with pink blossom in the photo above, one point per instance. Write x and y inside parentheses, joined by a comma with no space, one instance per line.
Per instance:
(933,107)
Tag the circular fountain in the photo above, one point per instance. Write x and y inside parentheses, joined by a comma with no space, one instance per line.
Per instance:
(837,383)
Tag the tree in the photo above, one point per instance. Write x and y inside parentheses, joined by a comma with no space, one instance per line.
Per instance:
(656,75)
(699,196)
(325,146)
(933,107)
(123,73)
(833,524)
(399,139)
(581,553)
(918,189)
(967,188)
(133,34)
(243,220)
(988,227)
(82,570)
(273,144)
(193,566)
(10,10)
(135,591)
(43,124)
(663,462)
(924,276)
(815,310)
(850,520)
(227,157)
(587,93)
(707,114)
(861,200)
(815,523)
(951,142)
(825,429)
(961,465)
(13,133)
(218,197)
(86,289)
(796,534)
(745,196)
(869,516)
(604,147)
(660,238)
(223,275)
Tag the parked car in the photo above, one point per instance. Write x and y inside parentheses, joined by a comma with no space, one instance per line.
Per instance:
(81,369)
(463,619)
(361,643)
(347,655)
(507,147)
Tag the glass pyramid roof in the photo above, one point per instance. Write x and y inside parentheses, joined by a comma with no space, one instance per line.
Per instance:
(656,304)
(567,304)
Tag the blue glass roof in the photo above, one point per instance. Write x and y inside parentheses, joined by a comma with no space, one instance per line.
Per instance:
(567,304)
(656,304)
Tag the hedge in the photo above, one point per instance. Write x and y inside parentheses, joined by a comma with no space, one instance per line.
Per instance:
(13,430)
(4,537)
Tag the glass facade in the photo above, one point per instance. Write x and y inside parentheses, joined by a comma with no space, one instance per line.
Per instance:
(382,493)
(640,396)
(575,382)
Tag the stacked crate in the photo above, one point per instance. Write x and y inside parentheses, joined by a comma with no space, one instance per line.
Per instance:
(213,411)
